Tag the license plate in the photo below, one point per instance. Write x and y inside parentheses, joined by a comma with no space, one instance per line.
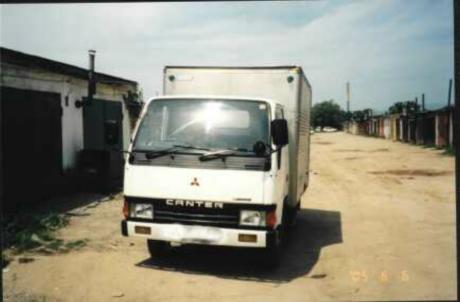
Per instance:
(194,234)
(142,230)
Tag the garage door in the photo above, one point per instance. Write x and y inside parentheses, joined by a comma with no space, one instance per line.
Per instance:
(31,143)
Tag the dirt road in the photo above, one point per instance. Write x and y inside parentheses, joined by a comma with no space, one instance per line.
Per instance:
(377,223)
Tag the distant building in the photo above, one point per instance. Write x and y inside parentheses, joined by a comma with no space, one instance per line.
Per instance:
(45,126)
(431,128)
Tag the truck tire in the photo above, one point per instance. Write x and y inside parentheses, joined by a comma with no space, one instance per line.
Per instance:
(291,216)
(157,248)
(293,222)
(272,254)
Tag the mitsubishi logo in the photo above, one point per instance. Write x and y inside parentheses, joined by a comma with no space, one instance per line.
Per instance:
(195,182)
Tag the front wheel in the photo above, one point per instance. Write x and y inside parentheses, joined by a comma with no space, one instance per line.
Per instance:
(272,253)
(290,216)
(158,248)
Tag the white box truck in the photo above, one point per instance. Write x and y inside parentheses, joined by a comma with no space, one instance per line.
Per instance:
(222,159)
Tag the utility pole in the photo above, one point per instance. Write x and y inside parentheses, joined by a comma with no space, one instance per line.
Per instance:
(423,102)
(348,96)
(448,111)
(450,93)
(91,77)
(456,123)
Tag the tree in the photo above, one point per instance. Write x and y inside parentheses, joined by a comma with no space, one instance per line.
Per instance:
(134,103)
(410,107)
(358,115)
(327,114)
(348,116)
(396,108)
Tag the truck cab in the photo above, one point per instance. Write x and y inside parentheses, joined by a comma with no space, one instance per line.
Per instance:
(209,170)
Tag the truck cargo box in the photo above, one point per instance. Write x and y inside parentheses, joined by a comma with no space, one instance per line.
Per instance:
(286,85)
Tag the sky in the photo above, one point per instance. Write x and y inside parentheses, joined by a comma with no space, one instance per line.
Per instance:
(388,50)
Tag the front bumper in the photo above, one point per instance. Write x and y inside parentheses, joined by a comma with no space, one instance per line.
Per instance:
(195,234)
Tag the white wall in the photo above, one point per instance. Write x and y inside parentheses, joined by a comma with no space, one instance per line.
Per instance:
(387,127)
(74,89)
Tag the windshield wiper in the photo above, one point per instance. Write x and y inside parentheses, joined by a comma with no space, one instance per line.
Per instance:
(217,154)
(223,153)
(151,154)
(191,147)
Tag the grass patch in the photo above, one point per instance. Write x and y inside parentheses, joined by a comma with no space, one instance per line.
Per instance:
(449,150)
(76,244)
(37,232)
(27,231)
(55,244)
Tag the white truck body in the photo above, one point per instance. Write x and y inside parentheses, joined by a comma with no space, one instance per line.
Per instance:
(266,82)
(190,200)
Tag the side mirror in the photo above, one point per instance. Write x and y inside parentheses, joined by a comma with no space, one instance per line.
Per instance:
(279,131)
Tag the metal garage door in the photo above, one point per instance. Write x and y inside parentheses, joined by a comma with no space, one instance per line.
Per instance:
(102,122)
(31,143)
(103,140)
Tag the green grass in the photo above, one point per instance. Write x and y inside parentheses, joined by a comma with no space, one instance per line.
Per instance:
(25,232)
(449,150)
(76,244)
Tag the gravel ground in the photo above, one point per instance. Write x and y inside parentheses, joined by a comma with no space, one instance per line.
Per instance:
(377,223)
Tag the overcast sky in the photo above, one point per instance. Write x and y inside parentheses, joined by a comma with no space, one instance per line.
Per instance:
(389,50)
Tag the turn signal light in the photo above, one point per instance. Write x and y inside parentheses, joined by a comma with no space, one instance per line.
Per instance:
(270,219)
(126,209)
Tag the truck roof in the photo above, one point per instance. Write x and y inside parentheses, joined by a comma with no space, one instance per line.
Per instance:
(221,97)
(295,68)
(289,67)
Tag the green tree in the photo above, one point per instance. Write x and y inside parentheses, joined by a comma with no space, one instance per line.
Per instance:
(327,114)
(396,108)
(358,115)
(410,107)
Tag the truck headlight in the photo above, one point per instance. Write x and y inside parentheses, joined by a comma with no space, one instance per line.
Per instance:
(252,218)
(141,210)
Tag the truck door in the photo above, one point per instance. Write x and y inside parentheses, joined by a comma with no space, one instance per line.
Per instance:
(281,165)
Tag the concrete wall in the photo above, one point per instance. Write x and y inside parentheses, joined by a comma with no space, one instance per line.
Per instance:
(71,89)
(387,127)
(443,128)
(394,125)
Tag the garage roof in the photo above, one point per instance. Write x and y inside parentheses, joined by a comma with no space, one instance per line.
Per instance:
(27,60)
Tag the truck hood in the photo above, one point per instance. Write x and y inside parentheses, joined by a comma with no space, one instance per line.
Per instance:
(237,186)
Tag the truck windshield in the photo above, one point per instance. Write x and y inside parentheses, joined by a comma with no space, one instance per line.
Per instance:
(203,123)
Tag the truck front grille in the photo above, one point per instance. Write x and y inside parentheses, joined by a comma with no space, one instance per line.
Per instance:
(226,216)
(196,216)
